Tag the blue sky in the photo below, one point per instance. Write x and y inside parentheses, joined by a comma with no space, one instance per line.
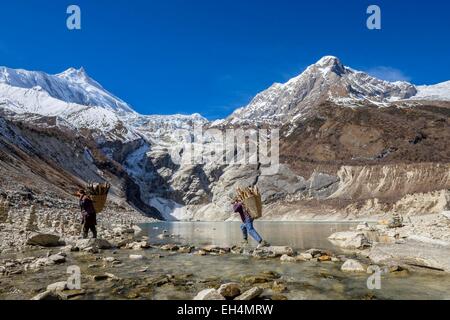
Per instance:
(212,56)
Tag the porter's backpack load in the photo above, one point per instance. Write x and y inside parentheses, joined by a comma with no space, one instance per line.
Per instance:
(251,199)
(98,192)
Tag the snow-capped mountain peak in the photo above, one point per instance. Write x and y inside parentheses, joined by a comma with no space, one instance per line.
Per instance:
(82,102)
(327,79)
(330,64)
(77,75)
(72,86)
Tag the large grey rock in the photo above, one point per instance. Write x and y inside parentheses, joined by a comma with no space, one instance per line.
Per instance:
(250,294)
(230,290)
(286,258)
(57,286)
(378,256)
(416,254)
(44,240)
(93,243)
(350,240)
(273,252)
(57,258)
(352,266)
(209,294)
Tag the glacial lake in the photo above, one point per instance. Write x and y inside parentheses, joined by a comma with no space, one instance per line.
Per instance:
(298,235)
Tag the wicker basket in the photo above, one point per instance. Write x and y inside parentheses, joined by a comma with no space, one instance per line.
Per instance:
(253,205)
(251,199)
(99,202)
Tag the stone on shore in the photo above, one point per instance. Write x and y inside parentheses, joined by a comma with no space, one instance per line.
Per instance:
(138,245)
(286,258)
(209,295)
(170,247)
(350,240)
(44,240)
(100,244)
(58,286)
(230,290)
(304,256)
(352,266)
(250,294)
(57,258)
(273,252)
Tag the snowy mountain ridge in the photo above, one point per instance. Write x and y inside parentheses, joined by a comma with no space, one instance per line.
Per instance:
(328,79)
(81,101)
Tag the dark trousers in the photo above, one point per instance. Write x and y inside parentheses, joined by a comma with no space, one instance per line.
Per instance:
(86,228)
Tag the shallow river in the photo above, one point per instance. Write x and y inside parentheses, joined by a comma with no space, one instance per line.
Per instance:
(304,280)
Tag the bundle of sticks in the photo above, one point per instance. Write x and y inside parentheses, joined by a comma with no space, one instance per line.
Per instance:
(98,189)
(98,192)
(251,199)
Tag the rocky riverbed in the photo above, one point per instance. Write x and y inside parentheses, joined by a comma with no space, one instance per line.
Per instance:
(123,264)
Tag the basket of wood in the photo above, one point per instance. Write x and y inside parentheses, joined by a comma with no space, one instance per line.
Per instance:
(98,192)
(251,199)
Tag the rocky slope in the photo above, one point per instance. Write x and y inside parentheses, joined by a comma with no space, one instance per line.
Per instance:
(350,145)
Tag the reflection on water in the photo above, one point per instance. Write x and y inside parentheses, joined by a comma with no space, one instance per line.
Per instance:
(298,235)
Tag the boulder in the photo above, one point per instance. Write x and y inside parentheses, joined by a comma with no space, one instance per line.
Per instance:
(209,295)
(304,256)
(57,258)
(350,240)
(186,249)
(58,286)
(230,290)
(93,243)
(138,245)
(286,258)
(250,294)
(44,240)
(273,252)
(170,247)
(352,266)
(378,256)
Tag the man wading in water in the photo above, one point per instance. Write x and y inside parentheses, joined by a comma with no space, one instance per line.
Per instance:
(247,224)
(88,215)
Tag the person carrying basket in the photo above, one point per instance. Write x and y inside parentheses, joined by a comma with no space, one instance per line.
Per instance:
(247,221)
(88,214)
